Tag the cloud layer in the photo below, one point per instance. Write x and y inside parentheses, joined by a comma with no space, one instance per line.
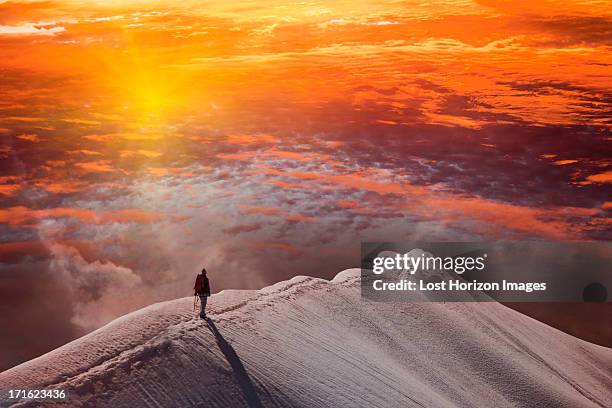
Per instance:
(143,140)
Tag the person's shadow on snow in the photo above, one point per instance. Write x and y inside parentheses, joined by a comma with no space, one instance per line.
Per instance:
(242,377)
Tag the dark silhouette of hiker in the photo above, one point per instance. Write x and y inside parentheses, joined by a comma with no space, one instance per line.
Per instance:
(202,289)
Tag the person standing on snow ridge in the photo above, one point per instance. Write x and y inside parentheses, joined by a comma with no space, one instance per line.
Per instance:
(202,289)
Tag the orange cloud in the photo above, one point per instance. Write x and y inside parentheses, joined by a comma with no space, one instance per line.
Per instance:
(166,171)
(9,189)
(59,187)
(452,208)
(605,177)
(101,166)
(264,211)
(271,211)
(564,162)
(452,121)
(84,152)
(99,138)
(78,121)
(21,216)
(496,217)
(278,246)
(9,185)
(238,229)
(22,119)
(348,203)
(158,171)
(29,137)
(300,218)
(284,184)
(245,139)
(150,154)
(130,215)
(237,156)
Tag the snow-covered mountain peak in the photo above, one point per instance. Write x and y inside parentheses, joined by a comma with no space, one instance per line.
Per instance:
(308,342)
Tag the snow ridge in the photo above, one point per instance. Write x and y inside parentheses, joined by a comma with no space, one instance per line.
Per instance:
(310,342)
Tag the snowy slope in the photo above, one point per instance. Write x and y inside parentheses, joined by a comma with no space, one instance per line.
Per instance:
(312,343)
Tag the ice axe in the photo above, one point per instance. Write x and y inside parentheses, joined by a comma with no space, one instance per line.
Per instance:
(195,302)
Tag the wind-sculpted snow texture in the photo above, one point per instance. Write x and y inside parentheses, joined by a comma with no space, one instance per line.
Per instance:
(314,343)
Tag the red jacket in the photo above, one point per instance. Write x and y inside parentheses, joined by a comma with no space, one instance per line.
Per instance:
(202,286)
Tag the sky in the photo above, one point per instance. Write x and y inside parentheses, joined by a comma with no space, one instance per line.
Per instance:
(143,140)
